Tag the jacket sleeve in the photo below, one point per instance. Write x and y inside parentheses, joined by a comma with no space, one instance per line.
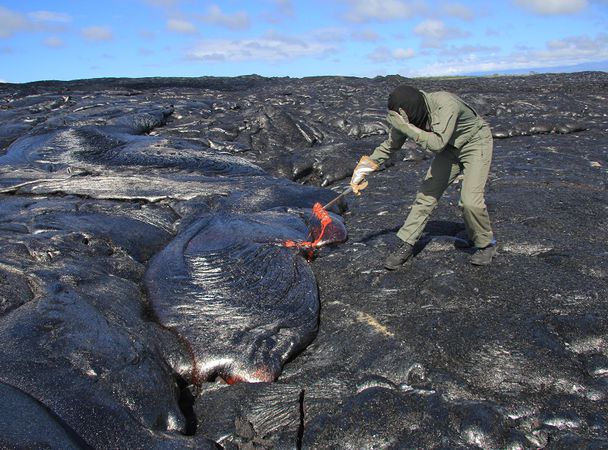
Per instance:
(383,151)
(442,127)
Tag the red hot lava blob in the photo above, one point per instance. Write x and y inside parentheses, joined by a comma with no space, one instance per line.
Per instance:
(318,232)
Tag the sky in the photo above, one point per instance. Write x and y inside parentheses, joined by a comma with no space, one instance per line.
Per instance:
(78,39)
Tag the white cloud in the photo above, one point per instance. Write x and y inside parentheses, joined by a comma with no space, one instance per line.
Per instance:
(50,16)
(97,34)
(558,53)
(49,21)
(551,7)
(329,34)
(54,42)
(573,50)
(435,32)
(458,10)
(384,54)
(383,10)
(468,50)
(285,7)
(365,35)
(162,2)
(12,22)
(181,26)
(380,55)
(404,53)
(283,10)
(236,21)
(268,48)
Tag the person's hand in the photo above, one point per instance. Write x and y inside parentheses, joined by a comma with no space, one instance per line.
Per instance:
(399,120)
(365,166)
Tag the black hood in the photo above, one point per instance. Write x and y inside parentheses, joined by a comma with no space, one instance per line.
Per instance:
(412,102)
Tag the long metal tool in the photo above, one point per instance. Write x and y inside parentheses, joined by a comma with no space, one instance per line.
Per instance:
(342,194)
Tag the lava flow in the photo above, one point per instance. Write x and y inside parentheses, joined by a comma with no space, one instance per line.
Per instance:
(324,218)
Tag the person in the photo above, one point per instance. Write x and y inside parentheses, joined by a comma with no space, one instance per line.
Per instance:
(444,124)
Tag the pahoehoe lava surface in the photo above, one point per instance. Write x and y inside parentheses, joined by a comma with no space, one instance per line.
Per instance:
(142,268)
(243,301)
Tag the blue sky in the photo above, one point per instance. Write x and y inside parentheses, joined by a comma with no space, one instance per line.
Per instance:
(73,39)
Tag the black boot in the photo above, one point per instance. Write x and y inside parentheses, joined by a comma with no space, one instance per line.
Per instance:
(483,256)
(399,256)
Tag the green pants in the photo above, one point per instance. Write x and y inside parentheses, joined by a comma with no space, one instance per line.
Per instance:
(473,161)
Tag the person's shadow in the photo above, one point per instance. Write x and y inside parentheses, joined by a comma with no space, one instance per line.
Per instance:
(434,229)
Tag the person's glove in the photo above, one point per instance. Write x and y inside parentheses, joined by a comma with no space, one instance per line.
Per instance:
(400,122)
(365,166)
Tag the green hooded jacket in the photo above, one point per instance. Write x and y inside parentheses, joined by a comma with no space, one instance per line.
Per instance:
(451,122)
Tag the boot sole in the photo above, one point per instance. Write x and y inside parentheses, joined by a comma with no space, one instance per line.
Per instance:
(481,263)
(396,266)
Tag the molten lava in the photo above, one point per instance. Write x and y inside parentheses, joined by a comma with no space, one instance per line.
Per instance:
(324,219)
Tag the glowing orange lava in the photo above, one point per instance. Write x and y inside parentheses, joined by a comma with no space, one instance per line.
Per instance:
(325,220)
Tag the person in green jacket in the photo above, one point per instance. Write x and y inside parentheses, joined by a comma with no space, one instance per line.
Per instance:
(444,124)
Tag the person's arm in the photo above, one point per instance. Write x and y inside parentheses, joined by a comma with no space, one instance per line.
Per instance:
(394,142)
(442,127)
(371,163)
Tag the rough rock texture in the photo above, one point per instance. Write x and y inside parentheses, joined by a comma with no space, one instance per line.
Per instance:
(141,267)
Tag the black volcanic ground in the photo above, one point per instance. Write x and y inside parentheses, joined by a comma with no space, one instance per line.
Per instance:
(141,268)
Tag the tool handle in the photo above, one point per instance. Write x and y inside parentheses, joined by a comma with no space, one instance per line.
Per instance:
(331,203)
